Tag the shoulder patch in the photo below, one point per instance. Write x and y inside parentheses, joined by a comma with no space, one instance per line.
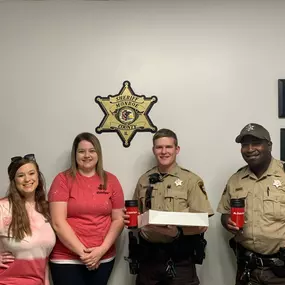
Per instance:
(202,187)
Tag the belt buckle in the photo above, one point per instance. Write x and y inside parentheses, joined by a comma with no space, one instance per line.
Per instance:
(259,262)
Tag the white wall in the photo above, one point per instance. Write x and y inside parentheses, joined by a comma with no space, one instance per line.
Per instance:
(213,65)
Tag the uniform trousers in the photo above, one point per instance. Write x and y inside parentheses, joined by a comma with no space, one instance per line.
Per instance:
(260,276)
(153,272)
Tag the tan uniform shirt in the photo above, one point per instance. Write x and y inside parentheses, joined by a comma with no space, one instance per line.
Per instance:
(180,191)
(264,228)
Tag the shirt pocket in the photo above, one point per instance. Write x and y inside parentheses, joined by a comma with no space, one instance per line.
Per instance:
(274,204)
(176,201)
(240,193)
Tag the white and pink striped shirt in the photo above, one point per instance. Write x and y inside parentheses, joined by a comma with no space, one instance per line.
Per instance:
(31,254)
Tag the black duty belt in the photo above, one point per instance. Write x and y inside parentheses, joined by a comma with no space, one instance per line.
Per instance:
(259,260)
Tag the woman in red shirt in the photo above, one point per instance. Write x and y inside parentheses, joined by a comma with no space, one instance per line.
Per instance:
(86,205)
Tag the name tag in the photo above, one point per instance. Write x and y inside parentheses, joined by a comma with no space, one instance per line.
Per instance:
(239,189)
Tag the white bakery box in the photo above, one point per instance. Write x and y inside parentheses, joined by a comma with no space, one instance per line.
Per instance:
(153,217)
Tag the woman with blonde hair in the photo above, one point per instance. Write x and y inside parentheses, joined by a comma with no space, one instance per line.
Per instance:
(26,237)
(86,204)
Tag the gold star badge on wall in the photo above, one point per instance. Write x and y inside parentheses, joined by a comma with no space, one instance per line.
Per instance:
(126,113)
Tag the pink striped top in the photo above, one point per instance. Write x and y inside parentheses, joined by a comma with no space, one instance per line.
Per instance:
(31,253)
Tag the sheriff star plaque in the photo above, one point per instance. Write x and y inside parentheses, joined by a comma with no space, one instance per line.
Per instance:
(126,113)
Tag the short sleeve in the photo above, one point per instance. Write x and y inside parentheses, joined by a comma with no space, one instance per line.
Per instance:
(198,198)
(117,197)
(59,190)
(1,220)
(1,228)
(5,217)
(224,204)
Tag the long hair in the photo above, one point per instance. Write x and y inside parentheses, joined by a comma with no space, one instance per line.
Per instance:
(20,224)
(97,146)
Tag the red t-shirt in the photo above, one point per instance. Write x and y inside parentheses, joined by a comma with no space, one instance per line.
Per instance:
(88,209)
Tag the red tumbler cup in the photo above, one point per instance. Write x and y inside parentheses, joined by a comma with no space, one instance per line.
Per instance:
(237,212)
(133,211)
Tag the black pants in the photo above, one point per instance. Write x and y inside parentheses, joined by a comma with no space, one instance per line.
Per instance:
(152,272)
(260,276)
(77,274)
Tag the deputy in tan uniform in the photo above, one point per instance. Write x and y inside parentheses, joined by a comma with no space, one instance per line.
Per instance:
(259,245)
(167,250)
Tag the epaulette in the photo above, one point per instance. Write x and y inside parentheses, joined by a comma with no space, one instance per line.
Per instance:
(242,168)
(185,169)
(150,170)
(281,163)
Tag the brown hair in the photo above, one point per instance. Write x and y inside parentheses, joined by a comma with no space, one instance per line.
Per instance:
(96,144)
(165,133)
(20,224)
